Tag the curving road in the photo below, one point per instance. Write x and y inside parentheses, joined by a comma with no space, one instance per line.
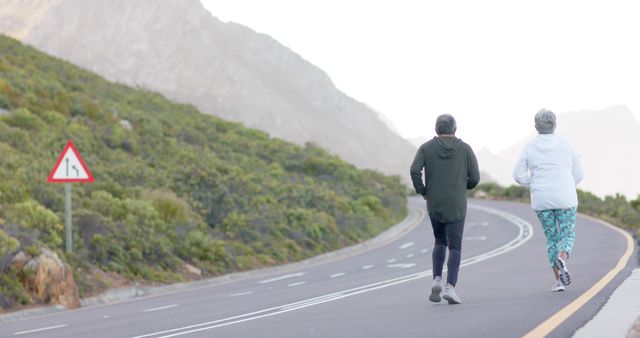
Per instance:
(503,284)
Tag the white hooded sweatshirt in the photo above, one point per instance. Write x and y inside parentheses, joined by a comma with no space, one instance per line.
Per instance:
(550,168)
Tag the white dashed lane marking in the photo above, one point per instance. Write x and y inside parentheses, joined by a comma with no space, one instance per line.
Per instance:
(409,256)
(392,260)
(160,308)
(367,267)
(406,245)
(240,294)
(39,330)
(424,250)
(475,238)
(296,284)
(402,266)
(337,274)
(293,275)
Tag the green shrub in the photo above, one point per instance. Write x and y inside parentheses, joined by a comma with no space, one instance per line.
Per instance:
(11,290)
(636,203)
(4,102)
(53,118)
(8,246)
(24,119)
(170,207)
(36,220)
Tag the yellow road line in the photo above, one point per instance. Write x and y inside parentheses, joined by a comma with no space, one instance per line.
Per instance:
(554,321)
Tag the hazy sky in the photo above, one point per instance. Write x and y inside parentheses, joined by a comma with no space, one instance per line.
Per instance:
(492,64)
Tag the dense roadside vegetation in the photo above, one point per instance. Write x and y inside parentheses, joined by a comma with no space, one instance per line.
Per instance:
(617,210)
(173,186)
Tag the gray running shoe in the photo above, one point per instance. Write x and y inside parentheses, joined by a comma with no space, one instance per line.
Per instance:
(557,287)
(436,288)
(565,277)
(450,295)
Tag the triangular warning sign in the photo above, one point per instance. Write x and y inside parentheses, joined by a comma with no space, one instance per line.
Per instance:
(70,167)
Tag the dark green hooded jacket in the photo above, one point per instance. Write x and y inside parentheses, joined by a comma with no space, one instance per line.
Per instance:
(450,168)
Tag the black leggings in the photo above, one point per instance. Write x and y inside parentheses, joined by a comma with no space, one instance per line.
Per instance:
(447,235)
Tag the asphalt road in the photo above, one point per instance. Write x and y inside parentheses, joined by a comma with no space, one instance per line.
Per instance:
(504,285)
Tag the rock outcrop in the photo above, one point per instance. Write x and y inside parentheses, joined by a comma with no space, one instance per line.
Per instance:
(48,278)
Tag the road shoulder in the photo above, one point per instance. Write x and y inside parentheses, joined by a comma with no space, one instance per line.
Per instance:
(619,314)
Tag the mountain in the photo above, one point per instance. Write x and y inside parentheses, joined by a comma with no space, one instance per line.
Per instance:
(605,139)
(175,191)
(494,167)
(417,141)
(176,47)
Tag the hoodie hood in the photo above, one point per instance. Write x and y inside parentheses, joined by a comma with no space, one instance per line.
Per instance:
(545,142)
(446,147)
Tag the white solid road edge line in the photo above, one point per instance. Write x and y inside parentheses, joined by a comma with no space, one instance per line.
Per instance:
(524,235)
(40,329)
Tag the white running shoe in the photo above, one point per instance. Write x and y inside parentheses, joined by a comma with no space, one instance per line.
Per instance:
(565,277)
(436,288)
(558,286)
(450,295)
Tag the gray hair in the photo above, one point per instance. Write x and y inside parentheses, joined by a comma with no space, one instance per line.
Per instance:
(545,121)
(445,125)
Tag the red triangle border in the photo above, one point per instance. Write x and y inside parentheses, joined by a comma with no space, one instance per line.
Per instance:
(70,144)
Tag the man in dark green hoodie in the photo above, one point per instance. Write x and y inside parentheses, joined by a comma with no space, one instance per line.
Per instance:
(450,168)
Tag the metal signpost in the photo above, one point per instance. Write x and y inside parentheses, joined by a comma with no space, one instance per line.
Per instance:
(69,168)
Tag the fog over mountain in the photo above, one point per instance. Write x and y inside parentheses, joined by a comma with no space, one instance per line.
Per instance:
(178,48)
(607,141)
(417,141)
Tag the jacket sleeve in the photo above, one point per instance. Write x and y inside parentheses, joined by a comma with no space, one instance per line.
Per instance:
(576,169)
(473,172)
(416,172)
(521,171)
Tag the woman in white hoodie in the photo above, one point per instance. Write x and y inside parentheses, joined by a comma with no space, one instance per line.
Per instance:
(550,168)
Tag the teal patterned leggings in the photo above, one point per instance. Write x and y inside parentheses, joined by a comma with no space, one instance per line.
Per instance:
(558,225)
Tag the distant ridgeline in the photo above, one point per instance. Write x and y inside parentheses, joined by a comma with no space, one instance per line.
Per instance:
(177,192)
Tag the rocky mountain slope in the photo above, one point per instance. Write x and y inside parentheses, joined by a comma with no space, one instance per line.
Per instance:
(178,48)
